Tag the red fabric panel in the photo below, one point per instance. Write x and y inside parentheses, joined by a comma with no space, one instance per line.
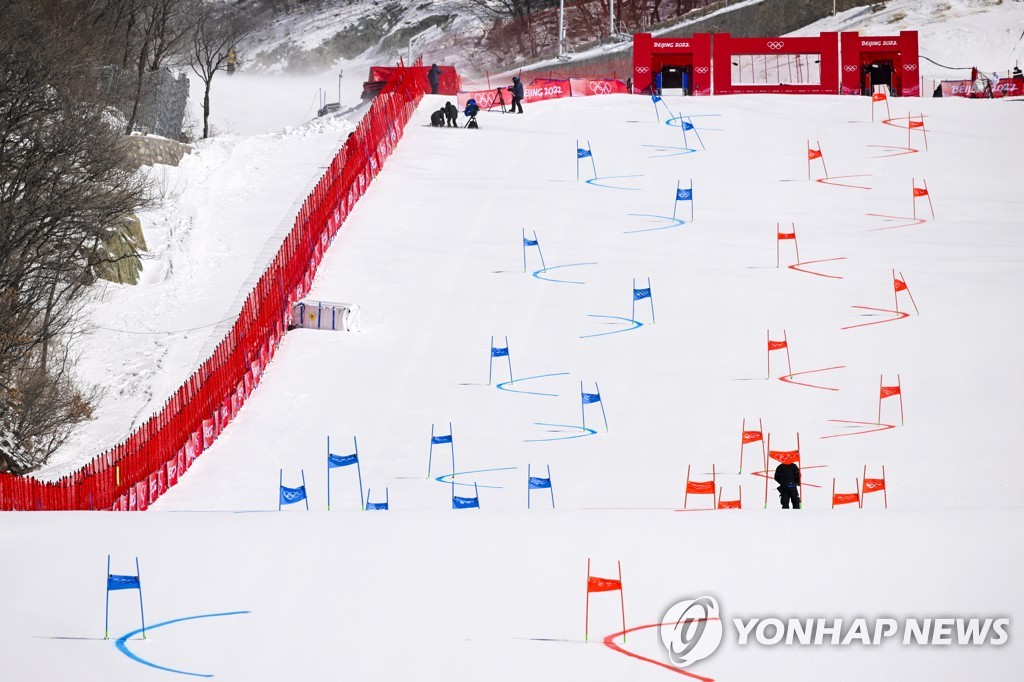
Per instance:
(595,584)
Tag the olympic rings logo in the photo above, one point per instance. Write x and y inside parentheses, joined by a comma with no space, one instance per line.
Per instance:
(701,69)
(600,87)
(850,68)
(775,45)
(486,99)
(642,69)
(910,67)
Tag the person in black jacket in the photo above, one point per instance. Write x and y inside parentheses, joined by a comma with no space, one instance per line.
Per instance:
(437,118)
(451,112)
(434,78)
(517,95)
(788,478)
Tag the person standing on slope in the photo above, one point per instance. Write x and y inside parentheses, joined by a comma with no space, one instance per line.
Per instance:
(788,478)
(451,112)
(517,95)
(434,78)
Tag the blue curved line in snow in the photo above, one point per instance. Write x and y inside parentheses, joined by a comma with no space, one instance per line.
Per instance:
(584,432)
(503,384)
(661,147)
(122,642)
(676,222)
(594,182)
(440,479)
(555,267)
(636,325)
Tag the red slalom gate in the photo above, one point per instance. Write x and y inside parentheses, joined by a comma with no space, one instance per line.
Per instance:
(134,473)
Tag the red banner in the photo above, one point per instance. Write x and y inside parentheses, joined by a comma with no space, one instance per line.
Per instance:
(700,487)
(785,456)
(1004,87)
(585,87)
(752,437)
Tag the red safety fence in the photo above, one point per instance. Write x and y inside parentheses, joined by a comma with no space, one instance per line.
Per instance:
(541,89)
(133,474)
(448,83)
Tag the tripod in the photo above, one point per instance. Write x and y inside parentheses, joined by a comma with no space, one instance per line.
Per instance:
(500,99)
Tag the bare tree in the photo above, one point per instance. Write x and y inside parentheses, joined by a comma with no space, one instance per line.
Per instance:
(63,186)
(216,31)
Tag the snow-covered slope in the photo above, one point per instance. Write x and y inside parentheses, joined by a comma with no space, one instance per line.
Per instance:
(434,255)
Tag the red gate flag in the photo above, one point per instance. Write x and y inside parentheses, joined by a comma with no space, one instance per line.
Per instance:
(913,125)
(845,498)
(783,236)
(918,192)
(778,345)
(595,584)
(815,154)
(699,487)
(730,504)
(900,284)
(785,456)
(751,436)
(873,485)
(888,392)
(880,96)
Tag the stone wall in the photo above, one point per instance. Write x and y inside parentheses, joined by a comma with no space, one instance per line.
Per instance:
(147,151)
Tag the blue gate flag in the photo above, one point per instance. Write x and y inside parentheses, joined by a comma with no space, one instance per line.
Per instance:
(641,293)
(503,352)
(465,503)
(123,582)
(687,125)
(683,194)
(442,440)
(529,242)
(335,461)
(377,506)
(499,352)
(591,398)
(292,495)
(655,98)
(539,483)
(585,153)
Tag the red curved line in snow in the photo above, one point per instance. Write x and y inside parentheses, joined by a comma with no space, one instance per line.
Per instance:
(913,221)
(881,427)
(608,642)
(825,181)
(797,267)
(899,316)
(902,152)
(788,378)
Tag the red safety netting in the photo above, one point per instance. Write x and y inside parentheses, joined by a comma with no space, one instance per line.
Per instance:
(133,474)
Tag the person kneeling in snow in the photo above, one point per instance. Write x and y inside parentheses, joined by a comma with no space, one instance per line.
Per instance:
(437,118)
(788,478)
(451,112)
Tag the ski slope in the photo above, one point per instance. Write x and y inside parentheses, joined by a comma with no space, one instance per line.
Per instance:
(433,255)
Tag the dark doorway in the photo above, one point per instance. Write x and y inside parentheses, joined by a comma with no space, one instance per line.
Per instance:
(671,77)
(878,73)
